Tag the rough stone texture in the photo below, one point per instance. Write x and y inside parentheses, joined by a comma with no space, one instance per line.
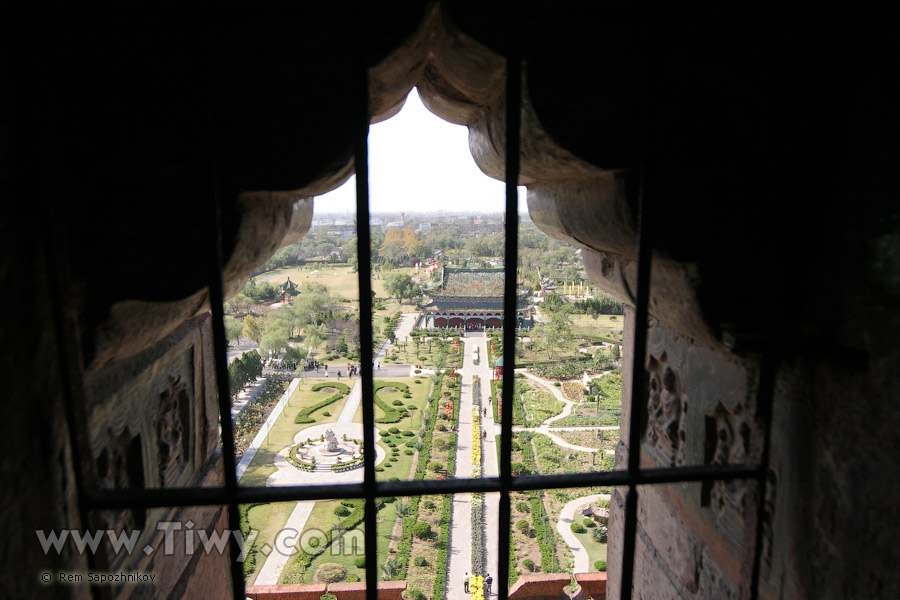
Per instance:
(540,585)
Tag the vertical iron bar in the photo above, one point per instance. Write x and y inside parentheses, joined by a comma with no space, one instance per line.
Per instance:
(364,272)
(510,321)
(216,305)
(638,387)
(765,399)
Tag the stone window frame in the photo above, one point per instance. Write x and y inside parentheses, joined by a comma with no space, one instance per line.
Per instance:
(633,476)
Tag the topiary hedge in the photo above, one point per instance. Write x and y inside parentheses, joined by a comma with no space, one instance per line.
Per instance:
(304,415)
(391,414)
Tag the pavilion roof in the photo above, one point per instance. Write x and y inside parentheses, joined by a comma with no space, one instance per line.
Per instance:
(472,282)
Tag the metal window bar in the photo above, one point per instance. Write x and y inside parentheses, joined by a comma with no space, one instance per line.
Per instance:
(231,495)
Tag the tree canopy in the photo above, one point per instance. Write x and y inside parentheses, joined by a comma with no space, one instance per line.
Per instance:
(401,286)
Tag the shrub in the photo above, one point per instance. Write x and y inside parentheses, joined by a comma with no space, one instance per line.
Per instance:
(411,407)
(522,506)
(522,526)
(352,578)
(600,565)
(528,564)
(330,573)
(422,530)
(407,395)
(393,459)
(600,535)
(435,466)
(416,594)
(394,430)
(349,503)
(441,427)
(408,433)
(397,402)
(589,522)
(557,384)
(420,561)
(428,504)
(578,528)
(326,414)
(341,511)
(327,596)
(408,452)
(360,563)
(390,499)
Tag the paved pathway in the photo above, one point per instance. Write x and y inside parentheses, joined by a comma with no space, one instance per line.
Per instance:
(547,428)
(352,403)
(287,474)
(278,557)
(460,544)
(247,396)
(564,527)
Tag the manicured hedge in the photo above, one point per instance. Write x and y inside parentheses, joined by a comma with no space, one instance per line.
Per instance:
(304,415)
(391,414)
(250,553)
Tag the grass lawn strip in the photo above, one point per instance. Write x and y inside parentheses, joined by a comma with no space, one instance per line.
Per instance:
(284,429)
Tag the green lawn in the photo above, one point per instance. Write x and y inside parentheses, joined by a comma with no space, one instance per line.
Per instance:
(403,466)
(538,404)
(341,281)
(283,431)
(324,519)
(268,519)
(596,551)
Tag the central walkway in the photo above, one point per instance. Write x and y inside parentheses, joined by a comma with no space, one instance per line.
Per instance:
(460,542)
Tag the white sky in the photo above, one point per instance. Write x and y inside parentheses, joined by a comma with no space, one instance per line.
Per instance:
(419,162)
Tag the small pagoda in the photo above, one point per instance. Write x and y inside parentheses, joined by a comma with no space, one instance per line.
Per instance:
(288,291)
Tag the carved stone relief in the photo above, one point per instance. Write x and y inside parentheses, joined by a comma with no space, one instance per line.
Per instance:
(728,439)
(768,520)
(171,420)
(666,412)
(120,465)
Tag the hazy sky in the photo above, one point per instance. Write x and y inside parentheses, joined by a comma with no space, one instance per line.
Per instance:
(419,162)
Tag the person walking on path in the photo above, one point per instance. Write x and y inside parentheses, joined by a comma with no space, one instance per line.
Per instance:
(487,586)
(466,582)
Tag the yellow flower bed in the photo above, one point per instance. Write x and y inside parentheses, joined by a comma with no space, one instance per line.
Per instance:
(476,437)
(476,587)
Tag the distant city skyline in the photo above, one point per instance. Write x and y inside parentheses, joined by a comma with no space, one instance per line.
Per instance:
(420,163)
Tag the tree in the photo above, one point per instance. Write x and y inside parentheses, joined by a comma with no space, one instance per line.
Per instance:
(554,336)
(274,341)
(390,568)
(399,243)
(253,328)
(400,285)
(233,328)
(315,335)
(295,353)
